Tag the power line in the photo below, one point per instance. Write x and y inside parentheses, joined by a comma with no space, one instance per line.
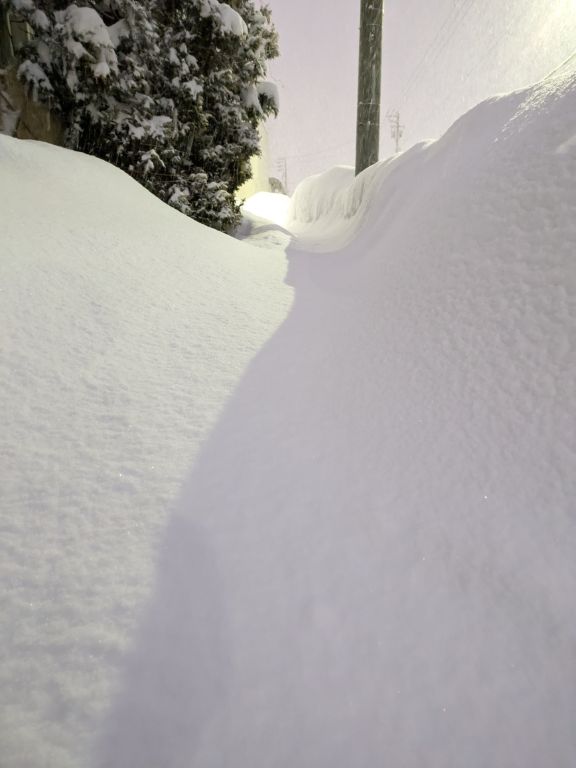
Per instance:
(563,64)
(326,150)
(438,44)
(416,71)
(489,54)
(451,23)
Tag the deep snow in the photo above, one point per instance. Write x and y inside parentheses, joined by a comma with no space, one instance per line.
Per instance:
(321,519)
(124,328)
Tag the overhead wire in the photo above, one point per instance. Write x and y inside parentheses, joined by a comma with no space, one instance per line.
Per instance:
(440,41)
(448,28)
(324,151)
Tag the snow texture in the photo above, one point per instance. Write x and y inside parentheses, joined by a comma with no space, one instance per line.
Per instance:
(124,328)
(270,90)
(316,519)
(118,32)
(231,21)
(40,20)
(250,98)
(86,24)
(34,74)
(193,87)
(251,95)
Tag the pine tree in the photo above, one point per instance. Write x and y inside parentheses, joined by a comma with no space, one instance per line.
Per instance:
(169,91)
(213,60)
(81,61)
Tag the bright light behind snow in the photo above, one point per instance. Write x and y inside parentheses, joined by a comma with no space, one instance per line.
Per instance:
(268,206)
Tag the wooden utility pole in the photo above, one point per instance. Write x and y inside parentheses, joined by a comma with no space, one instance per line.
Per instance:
(369,72)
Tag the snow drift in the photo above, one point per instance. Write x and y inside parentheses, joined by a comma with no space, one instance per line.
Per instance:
(370,560)
(124,327)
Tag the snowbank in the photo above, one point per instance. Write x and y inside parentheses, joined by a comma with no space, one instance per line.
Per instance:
(371,558)
(329,211)
(124,328)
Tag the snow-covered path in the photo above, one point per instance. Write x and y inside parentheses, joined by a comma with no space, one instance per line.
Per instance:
(369,560)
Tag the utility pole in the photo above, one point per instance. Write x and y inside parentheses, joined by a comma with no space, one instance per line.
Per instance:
(396,130)
(369,72)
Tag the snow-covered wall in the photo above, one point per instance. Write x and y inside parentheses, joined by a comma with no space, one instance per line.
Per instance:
(21,116)
(441,57)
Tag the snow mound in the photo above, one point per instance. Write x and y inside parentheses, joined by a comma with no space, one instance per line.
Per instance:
(416,577)
(329,210)
(370,560)
(124,328)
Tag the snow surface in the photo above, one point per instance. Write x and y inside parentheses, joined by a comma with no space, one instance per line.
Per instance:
(231,21)
(86,24)
(322,518)
(124,328)
(270,90)
(250,98)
